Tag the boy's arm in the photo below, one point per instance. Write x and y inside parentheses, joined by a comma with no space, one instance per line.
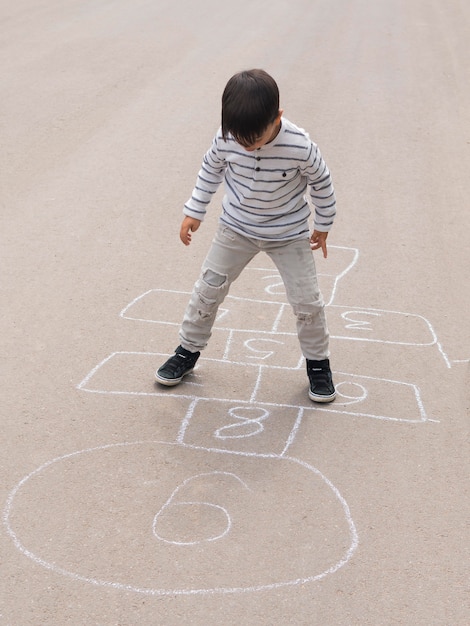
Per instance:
(209,178)
(322,193)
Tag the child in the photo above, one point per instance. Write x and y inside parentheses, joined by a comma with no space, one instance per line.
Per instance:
(267,164)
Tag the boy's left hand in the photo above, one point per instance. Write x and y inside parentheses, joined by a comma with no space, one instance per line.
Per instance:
(318,240)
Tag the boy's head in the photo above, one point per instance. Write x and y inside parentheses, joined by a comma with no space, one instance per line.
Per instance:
(250,106)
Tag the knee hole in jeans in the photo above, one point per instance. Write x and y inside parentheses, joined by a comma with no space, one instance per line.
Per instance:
(307,318)
(208,293)
(306,313)
(213,279)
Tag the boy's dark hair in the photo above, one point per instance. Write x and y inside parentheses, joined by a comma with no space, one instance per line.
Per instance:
(250,103)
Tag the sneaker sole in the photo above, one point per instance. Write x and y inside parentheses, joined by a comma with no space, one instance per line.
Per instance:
(317,398)
(171,382)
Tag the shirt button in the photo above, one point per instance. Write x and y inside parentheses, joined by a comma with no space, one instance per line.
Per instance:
(258,158)
(257,169)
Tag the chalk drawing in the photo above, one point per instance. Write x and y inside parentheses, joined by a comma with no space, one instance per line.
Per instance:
(245,426)
(240,438)
(171,503)
(146,543)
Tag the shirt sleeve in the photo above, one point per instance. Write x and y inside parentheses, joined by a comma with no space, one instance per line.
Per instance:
(321,190)
(210,176)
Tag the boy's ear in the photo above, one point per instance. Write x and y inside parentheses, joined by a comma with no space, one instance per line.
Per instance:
(279,115)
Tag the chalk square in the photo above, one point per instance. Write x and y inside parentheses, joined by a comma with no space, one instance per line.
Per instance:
(363,396)
(220,379)
(373,325)
(162,306)
(261,279)
(124,373)
(248,314)
(268,349)
(241,427)
(259,284)
(159,306)
(340,261)
(377,325)
(133,373)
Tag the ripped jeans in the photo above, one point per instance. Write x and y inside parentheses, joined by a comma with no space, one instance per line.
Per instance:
(229,254)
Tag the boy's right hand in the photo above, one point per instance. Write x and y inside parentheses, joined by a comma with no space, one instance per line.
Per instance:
(188,226)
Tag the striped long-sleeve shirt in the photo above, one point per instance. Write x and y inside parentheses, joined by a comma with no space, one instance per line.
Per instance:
(265,190)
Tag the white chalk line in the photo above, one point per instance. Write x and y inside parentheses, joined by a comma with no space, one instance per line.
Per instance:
(354,540)
(293,433)
(350,399)
(257,384)
(186,420)
(228,344)
(343,273)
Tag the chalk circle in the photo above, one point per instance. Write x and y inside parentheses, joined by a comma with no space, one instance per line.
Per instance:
(275,521)
(350,393)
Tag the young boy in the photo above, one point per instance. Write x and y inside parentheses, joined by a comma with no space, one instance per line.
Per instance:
(267,164)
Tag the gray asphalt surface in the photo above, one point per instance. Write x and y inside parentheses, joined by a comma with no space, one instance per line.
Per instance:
(232,499)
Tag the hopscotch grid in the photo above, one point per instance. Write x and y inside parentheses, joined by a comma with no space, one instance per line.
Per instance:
(182,432)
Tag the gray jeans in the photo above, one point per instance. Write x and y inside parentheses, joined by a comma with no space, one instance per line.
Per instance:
(228,256)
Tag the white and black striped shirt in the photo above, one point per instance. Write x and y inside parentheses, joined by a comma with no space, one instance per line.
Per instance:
(265,190)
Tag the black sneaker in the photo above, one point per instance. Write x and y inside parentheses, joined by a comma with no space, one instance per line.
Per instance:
(181,363)
(322,388)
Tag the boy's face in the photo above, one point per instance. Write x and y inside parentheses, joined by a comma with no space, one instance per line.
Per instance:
(269,134)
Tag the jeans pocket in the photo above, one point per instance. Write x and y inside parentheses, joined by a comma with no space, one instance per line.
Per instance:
(228,233)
